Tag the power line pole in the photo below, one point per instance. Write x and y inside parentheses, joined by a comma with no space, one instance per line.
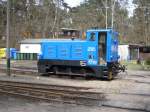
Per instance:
(7,41)
(146,25)
(106,13)
(58,17)
(113,11)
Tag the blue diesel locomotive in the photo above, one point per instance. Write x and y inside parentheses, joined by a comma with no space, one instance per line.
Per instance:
(96,56)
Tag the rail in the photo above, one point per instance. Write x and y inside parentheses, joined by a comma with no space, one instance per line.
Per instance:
(65,94)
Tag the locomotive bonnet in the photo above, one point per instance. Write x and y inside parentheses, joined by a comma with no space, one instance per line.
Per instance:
(96,56)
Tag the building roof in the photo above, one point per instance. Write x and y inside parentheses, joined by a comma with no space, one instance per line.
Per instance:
(131,45)
(100,30)
(38,41)
(69,29)
(135,45)
(32,41)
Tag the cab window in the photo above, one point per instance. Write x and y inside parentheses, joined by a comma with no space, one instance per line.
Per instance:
(92,36)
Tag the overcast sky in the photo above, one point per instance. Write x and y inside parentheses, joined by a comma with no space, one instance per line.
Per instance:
(73,3)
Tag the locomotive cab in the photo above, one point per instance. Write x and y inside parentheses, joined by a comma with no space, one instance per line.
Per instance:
(106,41)
(101,41)
(100,38)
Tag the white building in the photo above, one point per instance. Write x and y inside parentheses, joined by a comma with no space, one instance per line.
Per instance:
(123,51)
(129,52)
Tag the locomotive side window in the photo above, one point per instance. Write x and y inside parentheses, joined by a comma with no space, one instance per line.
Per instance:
(102,46)
(92,37)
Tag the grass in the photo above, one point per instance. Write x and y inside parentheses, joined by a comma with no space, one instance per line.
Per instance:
(132,65)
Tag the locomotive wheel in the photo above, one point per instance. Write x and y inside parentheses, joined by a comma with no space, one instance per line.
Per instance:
(110,75)
(72,77)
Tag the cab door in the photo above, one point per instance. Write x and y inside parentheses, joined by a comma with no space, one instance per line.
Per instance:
(102,43)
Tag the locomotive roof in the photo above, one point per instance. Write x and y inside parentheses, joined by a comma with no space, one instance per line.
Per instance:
(100,30)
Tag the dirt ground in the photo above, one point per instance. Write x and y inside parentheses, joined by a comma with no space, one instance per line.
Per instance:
(20,63)
(16,104)
(129,92)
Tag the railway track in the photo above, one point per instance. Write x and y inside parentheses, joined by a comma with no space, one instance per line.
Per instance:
(73,95)
(20,70)
(62,94)
(65,94)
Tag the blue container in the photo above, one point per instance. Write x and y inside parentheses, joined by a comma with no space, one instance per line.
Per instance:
(13,52)
(15,55)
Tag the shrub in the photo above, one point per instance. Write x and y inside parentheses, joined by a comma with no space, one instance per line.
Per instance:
(147,61)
